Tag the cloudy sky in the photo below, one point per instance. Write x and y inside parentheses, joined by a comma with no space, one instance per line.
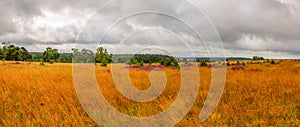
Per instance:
(269,28)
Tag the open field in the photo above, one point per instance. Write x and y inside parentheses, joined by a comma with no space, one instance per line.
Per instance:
(259,94)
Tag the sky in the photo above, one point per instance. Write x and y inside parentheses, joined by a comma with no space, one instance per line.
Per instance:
(233,28)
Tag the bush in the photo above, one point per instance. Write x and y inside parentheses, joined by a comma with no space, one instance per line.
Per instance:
(167,62)
(128,62)
(161,62)
(150,63)
(134,61)
(141,63)
(103,63)
(51,61)
(42,63)
(228,64)
(273,62)
(176,65)
(203,63)
(243,64)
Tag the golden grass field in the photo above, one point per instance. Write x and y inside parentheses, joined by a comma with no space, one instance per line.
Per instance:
(261,94)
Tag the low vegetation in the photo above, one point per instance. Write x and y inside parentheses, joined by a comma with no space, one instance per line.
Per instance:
(258,95)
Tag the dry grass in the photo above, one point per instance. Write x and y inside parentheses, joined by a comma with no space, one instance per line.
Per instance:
(261,94)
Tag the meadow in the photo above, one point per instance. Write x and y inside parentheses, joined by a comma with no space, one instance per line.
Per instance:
(260,94)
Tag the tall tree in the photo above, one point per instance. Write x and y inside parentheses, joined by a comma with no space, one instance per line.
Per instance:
(102,55)
(1,54)
(50,54)
(11,52)
(55,55)
(83,56)
(25,54)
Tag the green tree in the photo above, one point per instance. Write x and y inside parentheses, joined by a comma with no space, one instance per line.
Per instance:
(88,56)
(83,56)
(101,55)
(50,54)
(56,55)
(25,54)
(11,52)
(167,62)
(1,54)
(257,58)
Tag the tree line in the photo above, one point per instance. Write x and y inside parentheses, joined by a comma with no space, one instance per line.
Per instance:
(12,52)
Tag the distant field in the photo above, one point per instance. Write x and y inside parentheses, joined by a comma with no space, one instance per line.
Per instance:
(258,94)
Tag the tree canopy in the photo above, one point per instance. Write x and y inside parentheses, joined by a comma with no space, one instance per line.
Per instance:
(9,51)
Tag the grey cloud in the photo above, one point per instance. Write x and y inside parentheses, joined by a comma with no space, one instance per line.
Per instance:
(259,26)
(270,18)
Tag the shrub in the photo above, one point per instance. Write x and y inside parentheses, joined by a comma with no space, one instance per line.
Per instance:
(134,61)
(128,62)
(161,62)
(150,63)
(141,63)
(176,65)
(273,62)
(42,63)
(228,64)
(167,62)
(51,61)
(203,63)
(243,64)
(104,63)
